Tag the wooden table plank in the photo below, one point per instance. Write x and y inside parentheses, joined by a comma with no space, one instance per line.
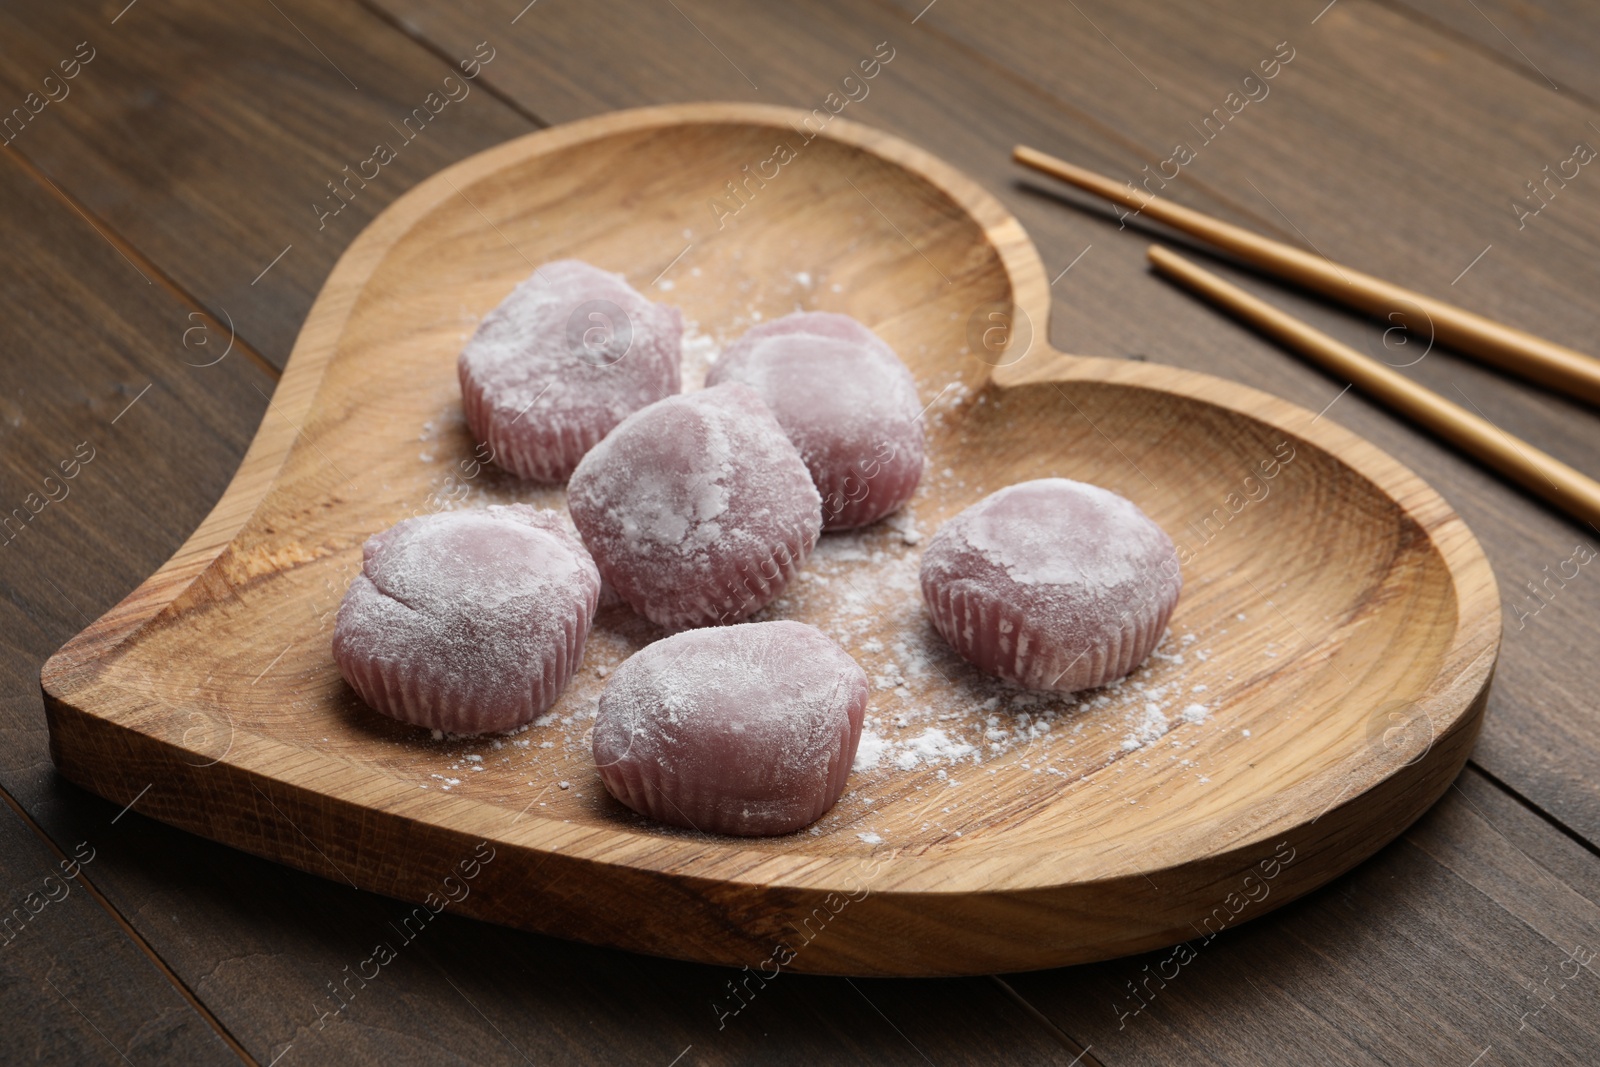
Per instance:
(1426,158)
(1381,144)
(1476,930)
(74,988)
(114,438)
(261,944)
(221,895)
(207,137)
(1553,42)
(110,450)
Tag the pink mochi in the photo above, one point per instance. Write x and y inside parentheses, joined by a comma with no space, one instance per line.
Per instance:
(467,621)
(1052,584)
(845,400)
(697,509)
(747,729)
(569,354)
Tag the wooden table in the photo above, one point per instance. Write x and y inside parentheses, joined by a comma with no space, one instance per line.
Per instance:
(182,180)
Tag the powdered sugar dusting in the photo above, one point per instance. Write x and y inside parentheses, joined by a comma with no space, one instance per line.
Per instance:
(1053,584)
(740,729)
(861,588)
(566,356)
(470,621)
(871,750)
(699,354)
(846,401)
(1089,548)
(697,509)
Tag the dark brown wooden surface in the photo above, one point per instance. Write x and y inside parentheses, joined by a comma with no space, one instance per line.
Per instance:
(1552,44)
(189,153)
(76,988)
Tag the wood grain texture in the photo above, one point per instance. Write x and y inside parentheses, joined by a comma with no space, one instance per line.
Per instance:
(1347,110)
(1340,128)
(112,439)
(1553,43)
(1342,143)
(256,942)
(1412,639)
(969,110)
(85,339)
(266,946)
(1300,987)
(1360,83)
(208,137)
(87,992)
(1562,370)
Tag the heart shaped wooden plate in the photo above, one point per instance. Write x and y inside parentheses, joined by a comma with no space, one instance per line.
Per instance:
(1323,681)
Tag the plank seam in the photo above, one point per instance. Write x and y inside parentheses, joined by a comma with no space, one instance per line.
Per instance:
(1497,782)
(133,934)
(122,245)
(1084,119)
(438,52)
(1079,1052)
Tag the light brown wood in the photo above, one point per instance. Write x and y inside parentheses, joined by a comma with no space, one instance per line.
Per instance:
(1337,610)
(1538,472)
(1522,353)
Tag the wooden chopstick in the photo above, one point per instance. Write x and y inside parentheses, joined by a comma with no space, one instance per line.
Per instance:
(1539,473)
(1517,351)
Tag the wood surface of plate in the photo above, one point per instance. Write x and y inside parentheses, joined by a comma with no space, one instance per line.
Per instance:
(1323,681)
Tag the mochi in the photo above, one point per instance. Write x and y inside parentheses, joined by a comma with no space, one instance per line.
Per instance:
(1052,584)
(697,509)
(747,729)
(845,400)
(569,354)
(467,621)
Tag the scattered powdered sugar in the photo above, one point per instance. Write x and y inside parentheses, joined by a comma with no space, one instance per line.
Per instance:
(699,353)
(932,746)
(870,750)
(1151,726)
(904,522)
(938,739)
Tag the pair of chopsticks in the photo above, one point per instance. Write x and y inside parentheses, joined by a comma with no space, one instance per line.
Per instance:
(1516,351)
